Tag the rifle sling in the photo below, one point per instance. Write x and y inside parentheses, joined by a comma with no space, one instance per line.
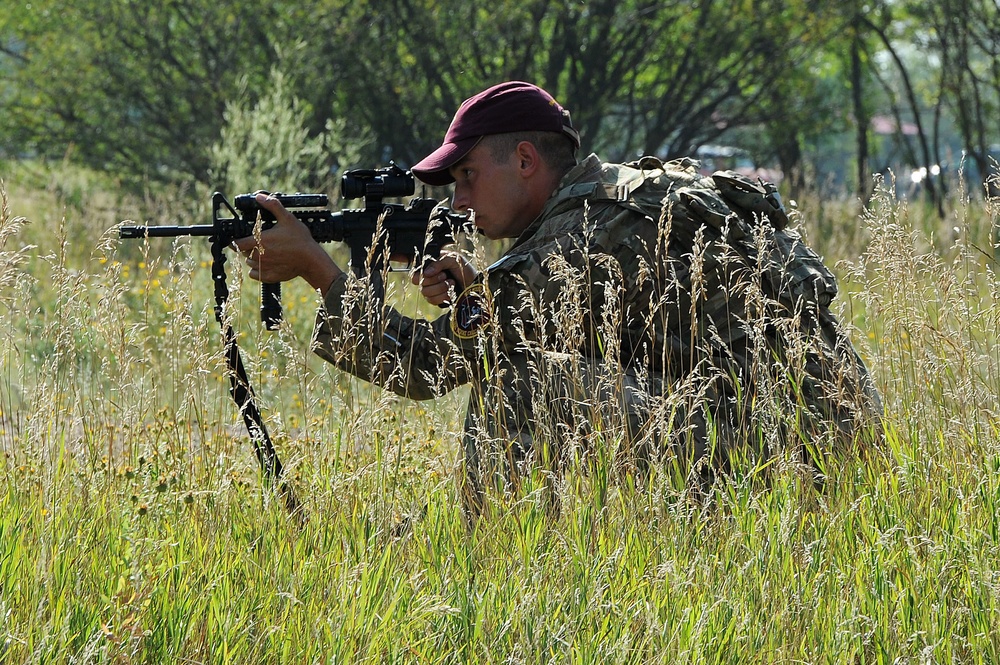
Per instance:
(241,390)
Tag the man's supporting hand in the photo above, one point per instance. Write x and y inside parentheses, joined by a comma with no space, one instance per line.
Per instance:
(287,250)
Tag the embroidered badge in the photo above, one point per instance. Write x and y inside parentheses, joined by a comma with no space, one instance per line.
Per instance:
(471,312)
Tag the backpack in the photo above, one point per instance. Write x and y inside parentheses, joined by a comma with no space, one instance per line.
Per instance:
(729,202)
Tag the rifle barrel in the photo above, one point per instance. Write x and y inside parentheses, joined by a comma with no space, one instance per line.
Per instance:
(165,231)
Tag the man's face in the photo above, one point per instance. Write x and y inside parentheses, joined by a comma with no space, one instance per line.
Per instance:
(494,190)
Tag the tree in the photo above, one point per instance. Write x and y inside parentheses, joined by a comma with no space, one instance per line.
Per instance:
(143,88)
(404,66)
(924,158)
(638,75)
(140,88)
(966,35)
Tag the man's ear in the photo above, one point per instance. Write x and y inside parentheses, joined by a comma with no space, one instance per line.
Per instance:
(529,161)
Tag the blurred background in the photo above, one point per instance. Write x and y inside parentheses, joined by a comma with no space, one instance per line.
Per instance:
(236,95)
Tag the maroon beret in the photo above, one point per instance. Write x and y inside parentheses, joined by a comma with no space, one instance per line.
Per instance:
(513,106)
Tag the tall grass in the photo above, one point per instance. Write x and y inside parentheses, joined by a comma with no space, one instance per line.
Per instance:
(134,526)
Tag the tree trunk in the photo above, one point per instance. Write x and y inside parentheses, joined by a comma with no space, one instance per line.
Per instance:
(860,117)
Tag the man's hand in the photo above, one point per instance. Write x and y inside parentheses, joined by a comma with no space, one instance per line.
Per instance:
(442,279)
(287,250)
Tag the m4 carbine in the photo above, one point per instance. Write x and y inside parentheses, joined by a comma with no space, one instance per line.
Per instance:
(374,233)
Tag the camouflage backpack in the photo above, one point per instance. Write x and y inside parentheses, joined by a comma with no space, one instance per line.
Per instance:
(728,201)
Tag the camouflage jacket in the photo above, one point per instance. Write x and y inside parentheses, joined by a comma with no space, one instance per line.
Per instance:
(641,306)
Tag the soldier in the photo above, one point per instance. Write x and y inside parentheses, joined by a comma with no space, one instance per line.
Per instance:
(643,312)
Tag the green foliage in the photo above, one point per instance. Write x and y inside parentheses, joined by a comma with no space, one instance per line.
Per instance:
(270,147)
(144,90)
(140,88)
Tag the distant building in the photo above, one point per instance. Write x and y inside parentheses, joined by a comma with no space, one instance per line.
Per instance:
(729,158)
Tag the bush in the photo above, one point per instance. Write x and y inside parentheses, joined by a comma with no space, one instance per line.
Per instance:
(267,145)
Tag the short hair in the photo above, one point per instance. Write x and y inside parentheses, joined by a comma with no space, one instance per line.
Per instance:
(553,147)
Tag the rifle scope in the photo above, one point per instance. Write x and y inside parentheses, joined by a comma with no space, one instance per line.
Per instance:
(377,183)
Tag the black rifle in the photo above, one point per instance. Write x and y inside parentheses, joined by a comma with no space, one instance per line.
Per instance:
(374,233)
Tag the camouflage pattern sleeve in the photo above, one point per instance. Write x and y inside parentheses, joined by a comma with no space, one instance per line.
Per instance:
(413,358)
(596,288)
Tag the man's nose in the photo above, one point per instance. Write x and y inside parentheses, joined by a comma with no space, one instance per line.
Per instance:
(459,201)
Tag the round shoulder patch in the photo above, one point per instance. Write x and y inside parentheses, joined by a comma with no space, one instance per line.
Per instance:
(471,312)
